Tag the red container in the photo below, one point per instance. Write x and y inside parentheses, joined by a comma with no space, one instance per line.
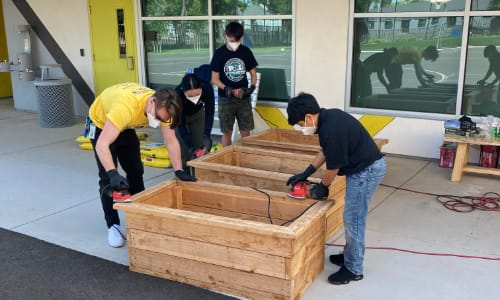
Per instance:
(488,157)
(446,156)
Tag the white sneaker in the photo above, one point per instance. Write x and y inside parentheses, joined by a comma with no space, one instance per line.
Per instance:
(115,237)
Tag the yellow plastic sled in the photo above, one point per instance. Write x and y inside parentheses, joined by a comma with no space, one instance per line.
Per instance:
(86,146)
(156,162)
(154,150)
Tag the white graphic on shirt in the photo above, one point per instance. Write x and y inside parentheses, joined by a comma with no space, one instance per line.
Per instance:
(234,69)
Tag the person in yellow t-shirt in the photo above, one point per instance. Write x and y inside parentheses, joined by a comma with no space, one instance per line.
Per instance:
(115,114)
(411,56)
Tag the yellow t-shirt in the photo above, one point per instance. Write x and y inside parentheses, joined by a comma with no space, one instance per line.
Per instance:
(123,105)
(408,56)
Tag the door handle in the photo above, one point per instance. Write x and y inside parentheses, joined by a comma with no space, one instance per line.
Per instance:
(130,63)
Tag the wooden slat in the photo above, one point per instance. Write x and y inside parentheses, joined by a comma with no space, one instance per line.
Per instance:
(253,202)
(208,275)
(246,235)
(471,140)
(310,271)
(481,170)
(334,221)
(249,261)
(232,214)
(160,195)
(296,263)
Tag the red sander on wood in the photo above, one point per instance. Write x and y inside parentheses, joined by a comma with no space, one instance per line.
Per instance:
(299,190)
(121,196)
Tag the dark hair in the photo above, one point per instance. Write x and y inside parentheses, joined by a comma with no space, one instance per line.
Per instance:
(489,50)
(168,98)
(431,53)
(189,82)
(301,105)
(235,30)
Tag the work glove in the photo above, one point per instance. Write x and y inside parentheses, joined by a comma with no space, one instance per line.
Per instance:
(248,91)
(184,176)
(319,191)
(481,82)
(207,143)
(228,91)
(117,181)
(301,176)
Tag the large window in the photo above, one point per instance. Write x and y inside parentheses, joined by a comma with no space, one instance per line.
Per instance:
(182,34)
(421,63)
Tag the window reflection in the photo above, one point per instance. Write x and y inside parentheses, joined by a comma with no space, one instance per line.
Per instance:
(388,6)
(483,68)
(411,66)
(166,8)
(271,42)
(172,47)
(251,7)
(485,5)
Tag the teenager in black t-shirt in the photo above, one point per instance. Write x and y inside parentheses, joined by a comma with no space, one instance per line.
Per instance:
(230,64)
(347,149)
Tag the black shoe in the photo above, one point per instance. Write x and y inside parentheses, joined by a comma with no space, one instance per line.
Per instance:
(343,276)
(337,259)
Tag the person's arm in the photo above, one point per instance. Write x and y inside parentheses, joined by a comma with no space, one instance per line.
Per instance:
(108,135)
(173,147)
(216,80)
(381,78)
(419,71)
(488,74)
(253,76)
(209,101)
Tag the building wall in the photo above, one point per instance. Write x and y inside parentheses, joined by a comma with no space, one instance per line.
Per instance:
(321,40)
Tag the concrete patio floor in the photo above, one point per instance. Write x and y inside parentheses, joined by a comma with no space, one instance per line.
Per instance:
(49,191)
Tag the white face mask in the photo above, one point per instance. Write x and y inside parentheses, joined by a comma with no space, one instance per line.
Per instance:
(309,130)
(194,99)
(234,45)
(153,121)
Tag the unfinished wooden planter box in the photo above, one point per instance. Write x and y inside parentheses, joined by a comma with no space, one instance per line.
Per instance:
(220,237)
(267,169)
(290,140)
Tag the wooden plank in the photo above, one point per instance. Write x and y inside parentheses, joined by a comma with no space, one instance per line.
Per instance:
(334,221)
(159,195)
(471,140)
(232,214)
(243,234)
(482,170)
(249,261)
(461,159)
(309,272)
(208,275)
(315,244)
(252,202)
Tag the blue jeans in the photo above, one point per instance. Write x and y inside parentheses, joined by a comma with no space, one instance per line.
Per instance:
(360,188)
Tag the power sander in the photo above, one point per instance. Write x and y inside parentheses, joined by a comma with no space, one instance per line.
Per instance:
(121,196)
(299,190)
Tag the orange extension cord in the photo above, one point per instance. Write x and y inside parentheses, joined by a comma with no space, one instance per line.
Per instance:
(463,204)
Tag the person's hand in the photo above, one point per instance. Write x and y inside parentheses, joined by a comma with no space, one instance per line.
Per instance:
(184,176)
(248,91)
(207,143)
(228,91)
(481,82)
(117,181)
(301,176)
(319,191)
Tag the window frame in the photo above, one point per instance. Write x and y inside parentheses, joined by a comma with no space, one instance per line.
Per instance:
(210,18)
(467,14)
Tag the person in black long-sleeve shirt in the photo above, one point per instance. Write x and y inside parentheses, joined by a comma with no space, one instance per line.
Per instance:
(197,117)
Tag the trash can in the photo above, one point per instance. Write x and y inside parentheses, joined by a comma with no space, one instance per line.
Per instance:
(55,103)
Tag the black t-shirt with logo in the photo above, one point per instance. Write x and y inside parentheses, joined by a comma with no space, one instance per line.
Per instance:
(232,66)
(346,144)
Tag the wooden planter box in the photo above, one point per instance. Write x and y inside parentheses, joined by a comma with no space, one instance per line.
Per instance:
(290,140)
(267,169)
(220,237)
